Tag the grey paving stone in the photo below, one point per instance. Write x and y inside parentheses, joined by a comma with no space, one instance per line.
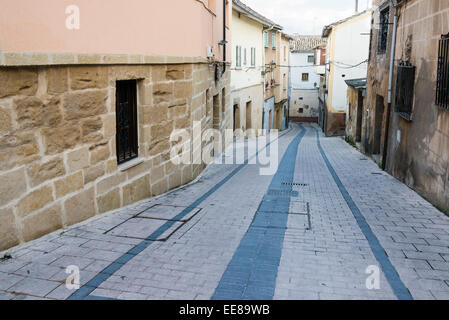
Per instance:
(34,287)
(6,296)
(327,262)
(8,280)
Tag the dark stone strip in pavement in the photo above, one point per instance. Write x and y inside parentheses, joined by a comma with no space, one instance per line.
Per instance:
(399,288)
(89,287)
(251,273)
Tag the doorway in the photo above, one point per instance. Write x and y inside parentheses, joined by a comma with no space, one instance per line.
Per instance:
(216,112)
(236,117)
(248,115)
(270,119)
(378,122)
(358,132)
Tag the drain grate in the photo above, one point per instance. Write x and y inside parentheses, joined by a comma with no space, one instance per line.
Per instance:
(282,193)
(294,184)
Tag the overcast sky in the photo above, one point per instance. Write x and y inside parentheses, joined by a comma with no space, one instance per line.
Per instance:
(305,16)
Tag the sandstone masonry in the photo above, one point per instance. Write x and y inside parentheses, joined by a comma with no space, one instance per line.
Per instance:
(58,163)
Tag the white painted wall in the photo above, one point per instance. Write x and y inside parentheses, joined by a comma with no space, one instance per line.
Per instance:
(300,65)
(246,33)
(349,45)
(307,100)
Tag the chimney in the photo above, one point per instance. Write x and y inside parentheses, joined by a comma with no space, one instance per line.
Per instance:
(356,6)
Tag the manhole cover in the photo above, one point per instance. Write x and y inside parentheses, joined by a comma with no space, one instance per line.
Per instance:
(169,212)
(299,207)
(146,229)
(298,222)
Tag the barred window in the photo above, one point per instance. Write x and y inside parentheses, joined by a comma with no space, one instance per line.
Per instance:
(405,84)
(442,93)
(383,30)
(126,113)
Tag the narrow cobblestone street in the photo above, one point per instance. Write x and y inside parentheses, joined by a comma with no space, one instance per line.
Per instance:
(311,231)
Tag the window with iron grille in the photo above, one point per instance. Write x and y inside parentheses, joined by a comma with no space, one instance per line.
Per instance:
(126,117)
(383,30)
(442,94)
(405,84)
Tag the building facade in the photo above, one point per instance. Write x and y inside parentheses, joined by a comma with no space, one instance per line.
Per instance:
(346,59)
(247,86)
(281,101)
(305,58)
(271,37)
(408,134)
(87,110)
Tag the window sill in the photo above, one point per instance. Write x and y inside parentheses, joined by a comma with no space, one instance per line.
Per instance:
(130,164)
(405,115)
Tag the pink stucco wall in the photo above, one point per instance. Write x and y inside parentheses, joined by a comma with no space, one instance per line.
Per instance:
(148,27)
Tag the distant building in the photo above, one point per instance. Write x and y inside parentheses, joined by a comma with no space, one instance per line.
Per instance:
(271,75)
(247,83)
(305,80)
(282,82)
(346,59)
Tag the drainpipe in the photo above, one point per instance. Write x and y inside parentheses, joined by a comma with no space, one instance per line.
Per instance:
(390,83)
(224,36)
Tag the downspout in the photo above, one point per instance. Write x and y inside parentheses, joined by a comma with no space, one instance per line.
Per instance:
(224,36)
(390,84)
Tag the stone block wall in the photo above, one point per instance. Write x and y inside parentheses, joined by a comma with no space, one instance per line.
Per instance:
(418,151)
(58,163)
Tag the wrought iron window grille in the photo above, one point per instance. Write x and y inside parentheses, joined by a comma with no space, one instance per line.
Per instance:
(442,88)
(405,85)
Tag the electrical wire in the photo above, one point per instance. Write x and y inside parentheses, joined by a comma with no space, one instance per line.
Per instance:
(341,65)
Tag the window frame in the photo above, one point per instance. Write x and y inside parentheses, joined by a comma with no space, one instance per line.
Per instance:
(405,86)
(273,40)
(266,39)
(133,140)
(238,57)
(307,77)
(384,29)
(313,59)
(442,81)
(253,57)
